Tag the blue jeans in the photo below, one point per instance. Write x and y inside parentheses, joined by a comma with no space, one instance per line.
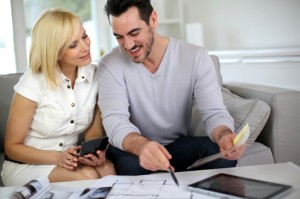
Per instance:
(185,151)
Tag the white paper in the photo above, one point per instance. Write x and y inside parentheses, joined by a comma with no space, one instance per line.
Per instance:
(31,189)
(153,186)
(45,190)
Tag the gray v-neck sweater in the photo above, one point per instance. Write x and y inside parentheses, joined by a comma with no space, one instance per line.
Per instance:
(159,105)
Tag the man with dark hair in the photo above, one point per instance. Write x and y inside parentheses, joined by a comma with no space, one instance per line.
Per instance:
(147,88)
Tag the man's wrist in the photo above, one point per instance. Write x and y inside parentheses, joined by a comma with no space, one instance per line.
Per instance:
(219,132)
(132,143)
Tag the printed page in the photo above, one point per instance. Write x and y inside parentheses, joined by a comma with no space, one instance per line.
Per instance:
(153,186)
(32,189)
(41,189)
(65,192)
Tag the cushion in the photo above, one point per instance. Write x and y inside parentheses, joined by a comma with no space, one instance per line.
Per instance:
(256,154)
(7,83)
(6,89)
(252,111)
(216,62)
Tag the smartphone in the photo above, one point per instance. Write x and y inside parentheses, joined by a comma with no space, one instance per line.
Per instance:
(91,146)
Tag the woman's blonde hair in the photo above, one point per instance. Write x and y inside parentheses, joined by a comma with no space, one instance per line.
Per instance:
(53,32)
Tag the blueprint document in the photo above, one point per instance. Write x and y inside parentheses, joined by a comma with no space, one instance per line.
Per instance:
(154,186)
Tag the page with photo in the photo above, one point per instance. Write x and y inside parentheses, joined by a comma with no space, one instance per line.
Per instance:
(31,189)
(40,188)
(63,192)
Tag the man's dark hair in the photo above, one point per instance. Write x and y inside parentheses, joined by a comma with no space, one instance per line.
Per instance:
(118,7)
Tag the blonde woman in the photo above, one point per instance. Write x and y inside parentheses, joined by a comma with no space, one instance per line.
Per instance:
(54,101)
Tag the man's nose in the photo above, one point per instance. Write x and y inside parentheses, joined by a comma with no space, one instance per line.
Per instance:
(129,43)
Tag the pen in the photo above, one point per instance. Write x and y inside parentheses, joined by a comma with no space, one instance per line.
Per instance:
(173,176)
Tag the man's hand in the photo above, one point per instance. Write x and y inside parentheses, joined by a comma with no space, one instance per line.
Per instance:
(224,137)
(152,155)
(226,142)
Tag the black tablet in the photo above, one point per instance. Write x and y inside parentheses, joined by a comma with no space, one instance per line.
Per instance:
(91,146)
(230,186)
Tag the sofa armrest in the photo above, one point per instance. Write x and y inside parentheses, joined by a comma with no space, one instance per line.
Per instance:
(282,130)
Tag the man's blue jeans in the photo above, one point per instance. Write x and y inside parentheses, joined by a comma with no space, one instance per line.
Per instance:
(185,151)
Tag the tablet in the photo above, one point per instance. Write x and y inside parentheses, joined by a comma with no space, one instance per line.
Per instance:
(91,146)
(230,186)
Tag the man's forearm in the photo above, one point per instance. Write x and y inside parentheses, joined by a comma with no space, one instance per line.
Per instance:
(133,142)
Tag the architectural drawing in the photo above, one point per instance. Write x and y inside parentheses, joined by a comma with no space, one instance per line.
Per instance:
(154,186)
(150,189)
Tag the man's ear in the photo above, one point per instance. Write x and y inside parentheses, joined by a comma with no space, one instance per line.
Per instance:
(153,20)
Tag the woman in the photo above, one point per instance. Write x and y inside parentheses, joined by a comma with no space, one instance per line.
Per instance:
(54,101)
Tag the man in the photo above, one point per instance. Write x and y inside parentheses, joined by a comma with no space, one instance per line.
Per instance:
(147,88)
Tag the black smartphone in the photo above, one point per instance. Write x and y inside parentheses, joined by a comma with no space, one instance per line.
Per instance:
(91,146)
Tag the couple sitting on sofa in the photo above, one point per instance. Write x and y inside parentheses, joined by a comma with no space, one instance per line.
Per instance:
(146,90)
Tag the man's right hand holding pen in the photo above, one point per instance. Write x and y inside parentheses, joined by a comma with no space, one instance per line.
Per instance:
(155,157)
(152,155)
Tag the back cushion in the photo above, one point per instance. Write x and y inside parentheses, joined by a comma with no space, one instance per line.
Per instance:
(252,111)
(255,112)
(215,59)
(7,83)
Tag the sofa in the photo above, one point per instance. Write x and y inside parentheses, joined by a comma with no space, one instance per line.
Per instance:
(272,114)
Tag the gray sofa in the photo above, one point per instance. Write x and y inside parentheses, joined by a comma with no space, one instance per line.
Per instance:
(274,111)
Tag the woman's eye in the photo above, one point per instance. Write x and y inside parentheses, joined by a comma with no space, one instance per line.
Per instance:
(73,45)
(84,36)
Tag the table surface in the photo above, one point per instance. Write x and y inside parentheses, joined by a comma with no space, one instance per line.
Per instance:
(284,173)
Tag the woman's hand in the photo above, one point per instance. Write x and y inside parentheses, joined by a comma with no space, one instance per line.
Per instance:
(93,160)
(68,159)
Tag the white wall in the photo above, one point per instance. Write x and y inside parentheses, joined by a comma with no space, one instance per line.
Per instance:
(285,74)
(246,24)
(251,25)
(239,26)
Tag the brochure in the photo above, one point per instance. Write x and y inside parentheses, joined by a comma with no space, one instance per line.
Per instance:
(40,188)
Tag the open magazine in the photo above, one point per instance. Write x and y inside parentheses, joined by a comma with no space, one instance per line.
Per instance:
(40,188)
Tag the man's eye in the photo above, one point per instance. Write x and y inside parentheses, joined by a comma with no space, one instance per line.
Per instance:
(134,33)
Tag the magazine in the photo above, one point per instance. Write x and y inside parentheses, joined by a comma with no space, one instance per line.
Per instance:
(40,188)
